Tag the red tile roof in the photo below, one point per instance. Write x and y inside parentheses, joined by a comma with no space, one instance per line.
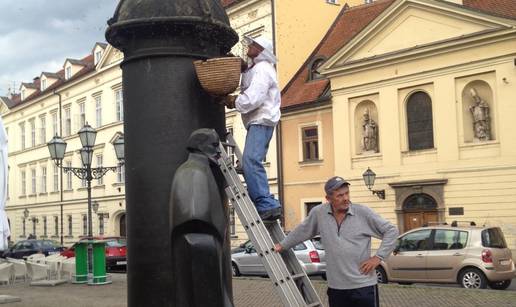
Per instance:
(503,8)
(349,23)
(16,99)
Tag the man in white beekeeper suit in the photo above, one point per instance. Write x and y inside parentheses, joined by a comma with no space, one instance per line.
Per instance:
(259,103)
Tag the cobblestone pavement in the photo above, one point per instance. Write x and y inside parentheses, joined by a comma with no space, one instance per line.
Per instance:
(256,292)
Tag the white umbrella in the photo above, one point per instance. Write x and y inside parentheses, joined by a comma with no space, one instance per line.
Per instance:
(4,224)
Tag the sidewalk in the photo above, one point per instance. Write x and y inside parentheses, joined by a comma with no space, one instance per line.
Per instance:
(255,292)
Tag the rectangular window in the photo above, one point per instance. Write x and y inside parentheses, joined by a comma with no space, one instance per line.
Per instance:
(120,175)
(101,224)
(34,229)
(70,226)
(310,205)
(23,183)
(82,114)
(43,179)
(69,176)
(100,159)
(56,226)
(32,124)
(84,225)
(68,72)
(22,134)
(98,111)
(56,178)
(67,121)
(43,84)
(43,129)
(33,181)
(119,98)
(54,124)
(310,140)
(44,226)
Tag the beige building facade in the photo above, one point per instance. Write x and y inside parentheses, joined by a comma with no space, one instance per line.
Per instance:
(84,91)
(437,78)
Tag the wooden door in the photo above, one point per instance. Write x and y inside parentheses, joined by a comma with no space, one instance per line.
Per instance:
(418,219)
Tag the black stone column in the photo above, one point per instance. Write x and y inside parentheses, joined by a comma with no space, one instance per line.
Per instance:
(163,105)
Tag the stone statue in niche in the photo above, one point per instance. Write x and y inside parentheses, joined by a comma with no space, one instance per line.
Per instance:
(369,134)
(201,257)
(481,120)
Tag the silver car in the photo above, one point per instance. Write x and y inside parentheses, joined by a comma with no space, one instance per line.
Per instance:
(311,255)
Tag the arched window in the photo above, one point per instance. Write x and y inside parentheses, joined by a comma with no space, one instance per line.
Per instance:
(419,202)
(314,75)
(419,121)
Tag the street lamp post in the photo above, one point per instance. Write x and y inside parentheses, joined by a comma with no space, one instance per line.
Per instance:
(87,135)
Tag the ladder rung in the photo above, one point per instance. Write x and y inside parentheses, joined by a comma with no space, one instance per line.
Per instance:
(313,305)
(297,276)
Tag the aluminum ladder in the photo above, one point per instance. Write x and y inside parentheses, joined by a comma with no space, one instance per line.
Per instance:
(285,271)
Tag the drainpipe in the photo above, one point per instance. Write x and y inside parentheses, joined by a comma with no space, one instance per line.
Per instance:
(61,169)
(279,149)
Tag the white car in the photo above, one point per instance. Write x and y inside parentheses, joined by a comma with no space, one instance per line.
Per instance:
(311,255)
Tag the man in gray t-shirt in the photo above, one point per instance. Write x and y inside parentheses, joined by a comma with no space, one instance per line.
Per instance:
(346,230)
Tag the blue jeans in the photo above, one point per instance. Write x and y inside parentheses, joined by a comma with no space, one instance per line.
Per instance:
(255,150)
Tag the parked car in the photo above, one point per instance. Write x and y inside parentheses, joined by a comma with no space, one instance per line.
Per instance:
(310,253)
(23,249)
(474,257)
(116,252)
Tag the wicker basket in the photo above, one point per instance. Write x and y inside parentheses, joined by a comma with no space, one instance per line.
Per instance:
(219,76)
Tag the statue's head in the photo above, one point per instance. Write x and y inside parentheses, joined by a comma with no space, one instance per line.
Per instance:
(474,94)
(366,114)
(205,141)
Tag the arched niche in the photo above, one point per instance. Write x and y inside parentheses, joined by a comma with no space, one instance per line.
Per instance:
(373,146)
(484,93)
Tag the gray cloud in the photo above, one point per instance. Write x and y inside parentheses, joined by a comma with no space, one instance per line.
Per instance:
(38,35)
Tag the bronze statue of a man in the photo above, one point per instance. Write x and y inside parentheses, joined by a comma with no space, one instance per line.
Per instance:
(481,121)
(199,227)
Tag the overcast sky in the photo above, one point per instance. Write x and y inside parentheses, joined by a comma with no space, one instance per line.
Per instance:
(38,35)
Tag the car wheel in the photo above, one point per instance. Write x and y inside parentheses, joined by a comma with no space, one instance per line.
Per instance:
(381,276)
(500,285)
(234,269)
(472,278)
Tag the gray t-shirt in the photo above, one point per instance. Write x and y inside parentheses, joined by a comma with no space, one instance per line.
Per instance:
(346,246)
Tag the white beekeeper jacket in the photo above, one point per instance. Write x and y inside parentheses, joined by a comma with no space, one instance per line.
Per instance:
(260,98)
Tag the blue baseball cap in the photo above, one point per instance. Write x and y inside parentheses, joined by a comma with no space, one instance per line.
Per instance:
(334,183)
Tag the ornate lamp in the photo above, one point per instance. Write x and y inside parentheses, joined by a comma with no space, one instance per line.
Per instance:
(87,135)
(369,178)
